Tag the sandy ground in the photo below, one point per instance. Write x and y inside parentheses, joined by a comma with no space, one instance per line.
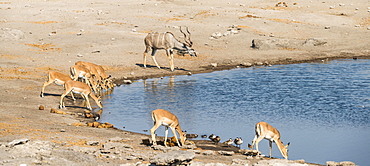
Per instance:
(49,35)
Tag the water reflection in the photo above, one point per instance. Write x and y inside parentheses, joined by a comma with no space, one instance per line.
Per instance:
(153,84)
(322,109)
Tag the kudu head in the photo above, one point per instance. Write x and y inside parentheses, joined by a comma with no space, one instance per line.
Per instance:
(188,43)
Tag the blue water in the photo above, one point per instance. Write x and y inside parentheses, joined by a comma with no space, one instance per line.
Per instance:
(322,109)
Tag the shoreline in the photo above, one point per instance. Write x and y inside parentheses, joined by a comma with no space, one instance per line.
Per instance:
(365,54)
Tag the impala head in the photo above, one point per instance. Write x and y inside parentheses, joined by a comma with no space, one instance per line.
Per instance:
(182,137)
(284,151)
(99,102)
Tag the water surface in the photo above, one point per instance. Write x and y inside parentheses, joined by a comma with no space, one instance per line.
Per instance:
(322,109)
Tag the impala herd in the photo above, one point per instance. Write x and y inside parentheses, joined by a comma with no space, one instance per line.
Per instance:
(94,79)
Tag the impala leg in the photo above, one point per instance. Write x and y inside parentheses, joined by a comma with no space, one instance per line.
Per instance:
(61,104)
(270,142)
(87,102)
(174,134)
(254,141)
(43,87)
(259,139)
(165,136)
(73,97)
(154,128)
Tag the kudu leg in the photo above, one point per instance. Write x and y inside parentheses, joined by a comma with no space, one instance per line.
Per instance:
(170,58)
(153,57)
(145,59)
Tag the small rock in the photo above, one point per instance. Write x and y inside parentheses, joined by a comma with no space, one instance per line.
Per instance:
(191,146)
(93,143)
(115,139)
(343,163)
(227,33)
(62,130)
(234,31)
(18,142)
(301,161)
(258,63)
(41,107)
(127,81)
(216,35)
(165,149)
(208,152)
(327,27)
(214,64)
(314,42)
(79,55)
(173,158)
(246,64)
(240,162)
(249,152)
(226,153)
(191,135)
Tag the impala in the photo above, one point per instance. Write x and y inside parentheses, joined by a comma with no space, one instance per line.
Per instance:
(57,78)
(99,73)
(78,71)
(167,119)
(154,41)
(266,131)
(79,88)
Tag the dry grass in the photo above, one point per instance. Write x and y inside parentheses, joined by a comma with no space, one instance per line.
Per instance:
(7,56)
(249,16)
(286,21)
(43,22)
(21,73)
(248,27)
(44,47)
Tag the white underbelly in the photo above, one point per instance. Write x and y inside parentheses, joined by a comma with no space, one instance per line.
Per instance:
(77,92)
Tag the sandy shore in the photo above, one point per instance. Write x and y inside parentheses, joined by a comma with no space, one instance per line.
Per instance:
(41,36)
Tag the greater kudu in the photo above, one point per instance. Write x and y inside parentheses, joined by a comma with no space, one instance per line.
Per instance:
(154,41)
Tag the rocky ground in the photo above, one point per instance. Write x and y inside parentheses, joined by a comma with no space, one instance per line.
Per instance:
(50,35)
